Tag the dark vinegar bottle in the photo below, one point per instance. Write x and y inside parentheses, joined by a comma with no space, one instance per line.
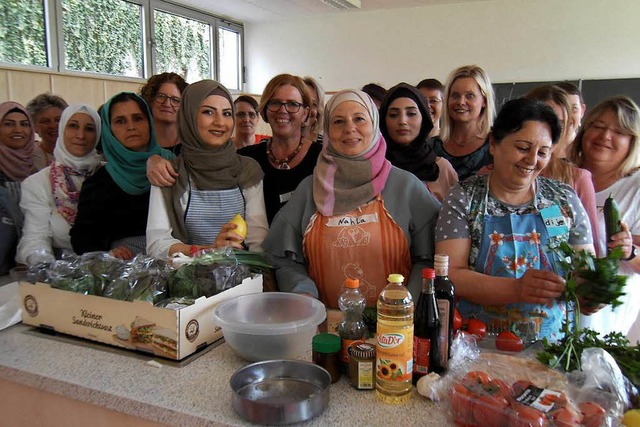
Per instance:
(426,333)
(445,294)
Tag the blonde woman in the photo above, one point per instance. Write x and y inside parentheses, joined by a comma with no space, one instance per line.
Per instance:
(607,146)
(470,111)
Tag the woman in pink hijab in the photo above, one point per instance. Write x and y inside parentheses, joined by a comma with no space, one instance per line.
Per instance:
(17,145)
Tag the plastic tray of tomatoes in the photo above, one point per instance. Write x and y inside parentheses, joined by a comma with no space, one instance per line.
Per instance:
(477,399)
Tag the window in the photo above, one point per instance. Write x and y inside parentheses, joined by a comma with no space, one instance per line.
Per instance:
(103,36)
(182,46)
(229,58)
(133,38)
(22,33)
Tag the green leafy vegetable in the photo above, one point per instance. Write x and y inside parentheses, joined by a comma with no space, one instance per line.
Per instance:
(594,281)
(615,343)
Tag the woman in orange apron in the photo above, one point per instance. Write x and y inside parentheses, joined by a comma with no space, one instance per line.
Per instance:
(356,217)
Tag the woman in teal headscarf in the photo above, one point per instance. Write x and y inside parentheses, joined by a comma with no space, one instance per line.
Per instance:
(114,202)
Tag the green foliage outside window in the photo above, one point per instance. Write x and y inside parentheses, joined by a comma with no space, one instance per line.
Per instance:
(107,36)
(182,46)
(22,32)
(103,36)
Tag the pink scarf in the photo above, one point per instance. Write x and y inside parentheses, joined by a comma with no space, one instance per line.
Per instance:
(17,164)
(66,184)
(340,183)
(68,172)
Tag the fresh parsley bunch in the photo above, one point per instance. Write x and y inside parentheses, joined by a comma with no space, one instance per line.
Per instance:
(593,281)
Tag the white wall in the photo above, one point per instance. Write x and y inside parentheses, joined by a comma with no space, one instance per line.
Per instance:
(514,40)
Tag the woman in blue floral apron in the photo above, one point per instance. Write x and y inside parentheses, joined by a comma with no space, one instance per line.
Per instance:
(501,231)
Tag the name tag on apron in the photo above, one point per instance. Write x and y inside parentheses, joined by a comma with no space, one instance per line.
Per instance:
(344,221)
(554,222)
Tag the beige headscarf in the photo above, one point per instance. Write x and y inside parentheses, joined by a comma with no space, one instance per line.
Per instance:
(341,183)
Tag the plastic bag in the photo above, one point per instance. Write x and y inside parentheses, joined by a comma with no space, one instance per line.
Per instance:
(490,388)
(101,274)
(601,381)
(211,272)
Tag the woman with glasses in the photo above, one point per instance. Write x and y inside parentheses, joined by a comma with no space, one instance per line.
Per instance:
(287,157)
(162,93)
(214,182)
(405,123)
(357,217)
(433,91)
(608,145)
(114,202)
(246,121)
(470,111)
(50,197)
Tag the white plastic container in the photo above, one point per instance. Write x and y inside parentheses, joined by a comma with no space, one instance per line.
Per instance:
(270,325)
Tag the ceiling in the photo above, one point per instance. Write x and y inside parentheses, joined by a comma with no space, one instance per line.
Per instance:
(255,11)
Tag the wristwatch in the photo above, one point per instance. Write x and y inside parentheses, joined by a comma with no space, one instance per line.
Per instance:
(632,255)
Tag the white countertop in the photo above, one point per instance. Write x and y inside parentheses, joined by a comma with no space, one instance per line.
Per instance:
(191,393)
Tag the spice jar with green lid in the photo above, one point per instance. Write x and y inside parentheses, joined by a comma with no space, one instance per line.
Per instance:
(326,353)
(362,357)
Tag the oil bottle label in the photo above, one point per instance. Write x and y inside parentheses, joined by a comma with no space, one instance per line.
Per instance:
(394,353)
(421,349)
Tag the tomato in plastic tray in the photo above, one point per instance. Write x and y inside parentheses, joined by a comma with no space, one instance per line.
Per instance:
(478,400)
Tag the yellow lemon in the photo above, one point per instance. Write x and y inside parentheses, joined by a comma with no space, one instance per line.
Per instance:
(241,228)
(631,418)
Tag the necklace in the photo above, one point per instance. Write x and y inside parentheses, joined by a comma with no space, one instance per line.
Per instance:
(284,163)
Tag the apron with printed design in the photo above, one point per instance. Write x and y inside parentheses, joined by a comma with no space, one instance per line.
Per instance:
(365,244)
(512,244)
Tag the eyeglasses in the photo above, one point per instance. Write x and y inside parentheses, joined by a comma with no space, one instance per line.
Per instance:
(602,127)
(289,106)
(434,101)
(161,98)
(244,114)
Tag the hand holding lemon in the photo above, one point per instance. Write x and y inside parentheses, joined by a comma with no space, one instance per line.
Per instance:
(232,233)
(241,226)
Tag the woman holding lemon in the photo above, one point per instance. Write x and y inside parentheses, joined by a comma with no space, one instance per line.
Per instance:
(216,190)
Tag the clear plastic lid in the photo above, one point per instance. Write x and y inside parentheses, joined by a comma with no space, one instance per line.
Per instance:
(269,313)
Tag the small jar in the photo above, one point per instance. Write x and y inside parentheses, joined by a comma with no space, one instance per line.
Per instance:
(362,358)
(326,353)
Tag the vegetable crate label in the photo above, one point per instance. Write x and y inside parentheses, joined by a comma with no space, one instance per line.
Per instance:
(541,399)
(394,353)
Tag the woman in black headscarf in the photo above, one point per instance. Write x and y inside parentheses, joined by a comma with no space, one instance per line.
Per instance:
(405,124)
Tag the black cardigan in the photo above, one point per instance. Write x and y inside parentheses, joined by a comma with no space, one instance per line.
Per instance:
(107,214)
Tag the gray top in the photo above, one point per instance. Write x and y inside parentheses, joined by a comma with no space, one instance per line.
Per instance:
(462,211)
(406,199)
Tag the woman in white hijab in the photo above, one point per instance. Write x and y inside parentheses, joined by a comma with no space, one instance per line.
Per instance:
(50,197)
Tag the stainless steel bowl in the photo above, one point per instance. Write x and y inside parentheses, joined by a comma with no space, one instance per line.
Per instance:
(280,391)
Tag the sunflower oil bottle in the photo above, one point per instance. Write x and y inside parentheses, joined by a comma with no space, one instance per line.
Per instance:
(394,342)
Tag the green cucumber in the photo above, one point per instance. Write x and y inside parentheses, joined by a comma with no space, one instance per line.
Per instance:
(611,213)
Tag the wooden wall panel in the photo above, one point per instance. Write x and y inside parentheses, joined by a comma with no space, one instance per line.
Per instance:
(78,89)
(112,87)
(24,85)
(4,85)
